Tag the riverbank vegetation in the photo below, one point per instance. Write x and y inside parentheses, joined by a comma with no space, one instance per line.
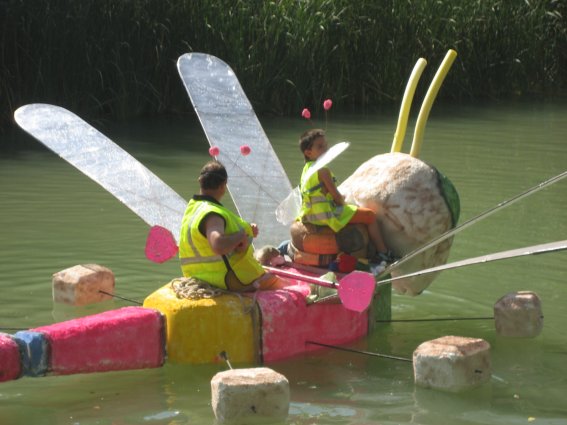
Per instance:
(117,59)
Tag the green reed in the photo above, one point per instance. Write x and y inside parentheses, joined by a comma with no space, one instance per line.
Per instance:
(117,58)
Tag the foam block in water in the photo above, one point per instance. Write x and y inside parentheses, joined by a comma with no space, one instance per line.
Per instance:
(80,285)
(34,351)
(198,330)
(518,314)
(127,338)
(288,323)
(452,363)
(10,361)
(241,395)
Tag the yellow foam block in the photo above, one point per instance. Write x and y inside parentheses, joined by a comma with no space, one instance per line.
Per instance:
(198,330)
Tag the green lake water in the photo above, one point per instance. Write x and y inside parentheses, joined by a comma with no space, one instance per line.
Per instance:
(53,217)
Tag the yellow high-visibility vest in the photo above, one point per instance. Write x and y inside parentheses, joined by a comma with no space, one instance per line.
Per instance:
(318,207)
(200,261)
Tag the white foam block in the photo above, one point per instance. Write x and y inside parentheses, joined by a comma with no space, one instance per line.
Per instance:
(241,394)
(452,363)
(80,285)
(518,314)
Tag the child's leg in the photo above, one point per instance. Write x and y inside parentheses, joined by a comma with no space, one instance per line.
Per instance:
(271,281)
(368,217)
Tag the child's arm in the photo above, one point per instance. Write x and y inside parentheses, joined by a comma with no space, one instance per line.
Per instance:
(327,180)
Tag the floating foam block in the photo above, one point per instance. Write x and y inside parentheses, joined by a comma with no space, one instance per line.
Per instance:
(127,338)
(198,330)
(452,363)
(10,361)
(80,285)
(288,323)
(34,350)
(238,395)
(518,314)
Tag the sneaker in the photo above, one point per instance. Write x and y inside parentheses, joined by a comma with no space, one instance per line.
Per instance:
(388,256)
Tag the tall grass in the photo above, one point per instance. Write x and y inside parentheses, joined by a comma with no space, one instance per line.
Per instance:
(117,58)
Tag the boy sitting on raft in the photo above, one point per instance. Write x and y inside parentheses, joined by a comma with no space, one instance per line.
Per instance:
(323,205)
(215,244)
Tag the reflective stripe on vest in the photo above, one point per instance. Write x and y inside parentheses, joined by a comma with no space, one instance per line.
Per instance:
(324,215)
(316,200)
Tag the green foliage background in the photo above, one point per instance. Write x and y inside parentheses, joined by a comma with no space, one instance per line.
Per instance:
(116,59)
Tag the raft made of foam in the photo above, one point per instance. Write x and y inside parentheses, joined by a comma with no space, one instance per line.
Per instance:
(288,322)
(262,326)
(127,338)
(10,362)
(198,330)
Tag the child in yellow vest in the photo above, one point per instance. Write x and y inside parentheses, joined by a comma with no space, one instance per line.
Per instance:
(322,203)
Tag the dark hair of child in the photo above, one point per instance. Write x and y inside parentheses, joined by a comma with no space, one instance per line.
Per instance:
(306,140)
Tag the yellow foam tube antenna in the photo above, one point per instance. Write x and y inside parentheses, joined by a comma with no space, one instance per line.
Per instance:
(406,105)
(428,102)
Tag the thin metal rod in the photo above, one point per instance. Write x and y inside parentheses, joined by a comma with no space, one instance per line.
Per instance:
(118,296)
(352,350)
(437,319)
(483,259)
(224,356)
(434,320)
(472,221)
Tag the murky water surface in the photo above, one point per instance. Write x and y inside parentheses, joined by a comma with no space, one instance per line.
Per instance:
(53,217)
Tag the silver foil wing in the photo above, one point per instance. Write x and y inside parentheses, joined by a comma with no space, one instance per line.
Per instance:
(257,182)
(106,163)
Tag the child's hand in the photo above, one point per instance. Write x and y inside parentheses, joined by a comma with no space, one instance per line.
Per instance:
(327,180)
(255,229)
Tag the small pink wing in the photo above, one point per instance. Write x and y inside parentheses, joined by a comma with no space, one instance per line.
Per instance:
(356,290)
(160,245)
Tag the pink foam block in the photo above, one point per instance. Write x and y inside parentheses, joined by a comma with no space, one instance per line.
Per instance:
(10,362)
(127,338)
(288,323)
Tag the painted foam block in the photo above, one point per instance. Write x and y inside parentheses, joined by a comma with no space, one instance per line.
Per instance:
(81,284)
(288,323)
(34,351)
(283,318)
(127,338)
(333,324)
(198,330)
(10,361)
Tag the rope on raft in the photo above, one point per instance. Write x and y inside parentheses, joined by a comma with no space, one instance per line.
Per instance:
(194,289)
